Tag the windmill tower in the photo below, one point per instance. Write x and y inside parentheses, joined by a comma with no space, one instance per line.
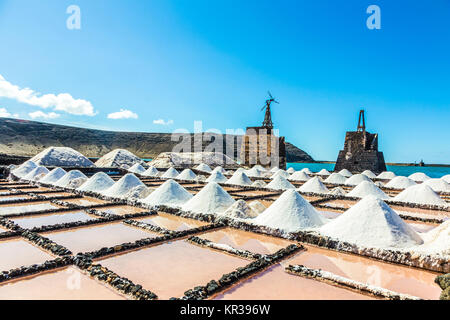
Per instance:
(267,123)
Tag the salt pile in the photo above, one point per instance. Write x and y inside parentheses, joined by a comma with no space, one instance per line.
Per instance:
(336,178)
(438,185)
(421,194)
(372,223)
(299,176)
(136,168)
(170,173)
(76,183)
(123,186)
(255,172)
(257,206)
(367,188)
(61,157)
(437,240)
(290,170)
(240,210)
(419,177)
(97,183)
(187,174)
(274,169)
(400,182)
(24,169)
(259,167)
(290,212)
(345,173)
(356,179)
(280,183)
(175,159)
(386,175)
(53,176)
(379,184)
(203,167)
(216,176)
(212,199)
(314,185)
(36,174)
(369,174)
(323,172)
(69,176)
(170,193)
(338,191)
(240,179)
(259,184)
(138,192)
(446,178)
(307,171)
(118,158)
(280,172)
(150,172)
(220,169)
(200,178)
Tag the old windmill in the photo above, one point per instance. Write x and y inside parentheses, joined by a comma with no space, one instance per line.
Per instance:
(268,117)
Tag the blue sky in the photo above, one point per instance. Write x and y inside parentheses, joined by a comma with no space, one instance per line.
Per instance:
(187,60)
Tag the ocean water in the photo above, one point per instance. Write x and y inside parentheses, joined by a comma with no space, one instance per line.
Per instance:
(432,172)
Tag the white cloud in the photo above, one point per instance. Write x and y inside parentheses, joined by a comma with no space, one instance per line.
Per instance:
(5,114)
(123,114)
(162,122)
(43,115)
(59,102)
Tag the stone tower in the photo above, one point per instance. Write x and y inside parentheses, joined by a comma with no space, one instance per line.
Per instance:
(261,146)
(361,150)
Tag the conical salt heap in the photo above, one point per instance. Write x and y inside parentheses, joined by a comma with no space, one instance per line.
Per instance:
(307,171)
(97,183)
(123,186)
(419,177)
(421,194)
(219,168)
(338,191)
(345,173)
(369,174)
(290,170)
(203,167)
(367,188)
(187,174)
(53,176)
(118,158)
(279,183)
(24,169)
(323,172)
(61,157)
(240,210)
(36,174)
(68,177)
(387,175)
(212,199)
(280,172)
(336,178)
(259,184)
(438,185)
(239,178)
(446,178)
(217,176)
(400,182)
(372,223)
(291,213)
(274,169)
(170,173)
(314,185)
(437,240)
(299,176)
(255,172)
(136,168)
(170,193)
(356,179)
(150,172)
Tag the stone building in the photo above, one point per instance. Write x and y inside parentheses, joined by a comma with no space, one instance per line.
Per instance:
(260,145)
(361,151)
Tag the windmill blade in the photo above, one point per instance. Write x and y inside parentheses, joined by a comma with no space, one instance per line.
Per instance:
(263,107)
(270,95)
(275,101)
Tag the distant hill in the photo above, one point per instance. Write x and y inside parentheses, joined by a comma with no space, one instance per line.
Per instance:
(27,138)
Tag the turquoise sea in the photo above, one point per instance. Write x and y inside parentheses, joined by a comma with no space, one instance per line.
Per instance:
(432,172)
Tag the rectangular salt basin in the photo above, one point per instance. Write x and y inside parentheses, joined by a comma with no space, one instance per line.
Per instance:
(56,194)
(172,268)
(86,239)
(398,278)
(275,283)
(17,252)
(172,222)
(122,210)
(86,201)
(52,219)
(253,242)
(26,208)
(62,284)
(33,189)
(10,198)
(420,212)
